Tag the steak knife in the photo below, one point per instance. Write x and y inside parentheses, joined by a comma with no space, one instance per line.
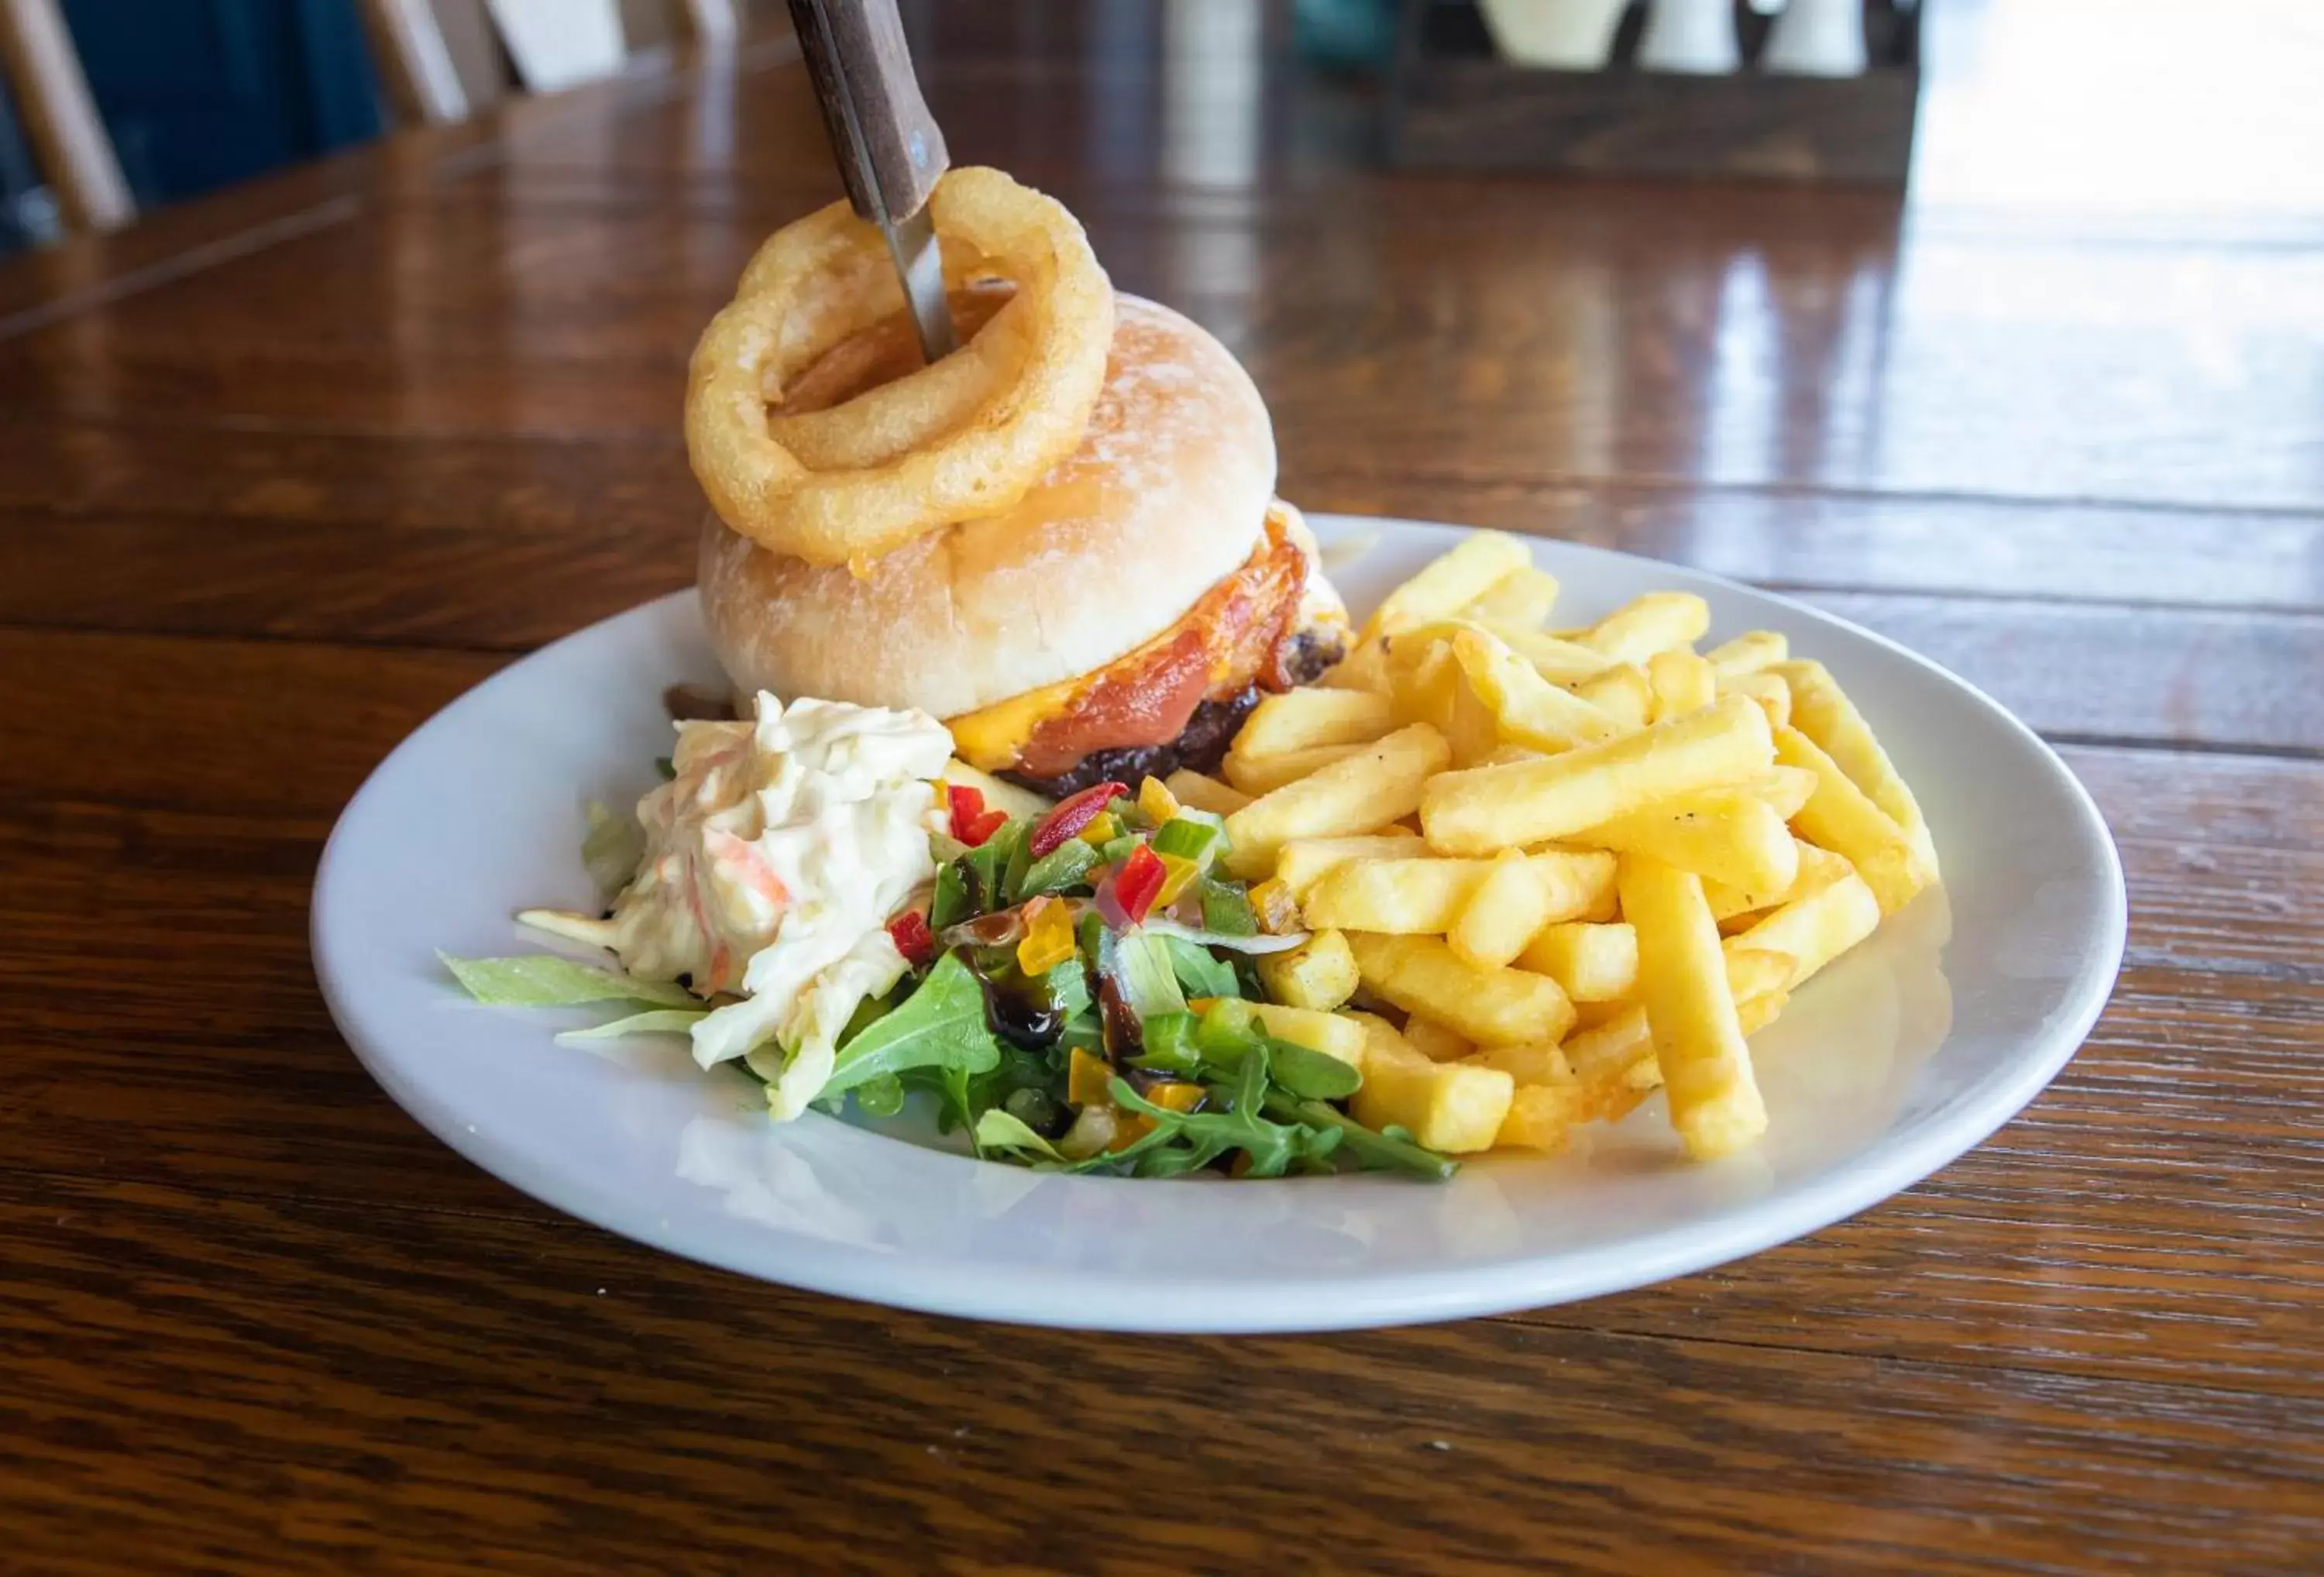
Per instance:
(889,149)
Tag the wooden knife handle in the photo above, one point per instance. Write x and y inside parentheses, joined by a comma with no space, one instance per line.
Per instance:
(858,45)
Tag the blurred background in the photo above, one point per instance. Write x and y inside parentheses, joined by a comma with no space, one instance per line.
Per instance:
(2103,109)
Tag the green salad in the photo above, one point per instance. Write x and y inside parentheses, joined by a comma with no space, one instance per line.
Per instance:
(1081,992)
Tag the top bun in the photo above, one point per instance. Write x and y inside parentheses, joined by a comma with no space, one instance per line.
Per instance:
(1168,493)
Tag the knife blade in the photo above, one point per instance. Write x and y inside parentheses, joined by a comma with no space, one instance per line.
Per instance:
(889,149)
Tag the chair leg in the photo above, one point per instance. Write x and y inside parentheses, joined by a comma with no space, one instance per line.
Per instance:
(76,151)
(415,62)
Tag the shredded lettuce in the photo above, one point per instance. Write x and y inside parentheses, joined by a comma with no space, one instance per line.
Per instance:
(653,1021)
(612,849)
(1232,941)
(998,1131)
(1147,982)
(544,979)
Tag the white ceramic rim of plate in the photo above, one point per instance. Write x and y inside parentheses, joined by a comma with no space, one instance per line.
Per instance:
(1110,1300)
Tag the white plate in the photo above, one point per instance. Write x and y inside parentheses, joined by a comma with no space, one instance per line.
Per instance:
(1896,1060)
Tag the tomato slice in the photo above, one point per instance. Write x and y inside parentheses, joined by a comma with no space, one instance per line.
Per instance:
(1072,815)
(1139,882)
(909,931)
(965,805)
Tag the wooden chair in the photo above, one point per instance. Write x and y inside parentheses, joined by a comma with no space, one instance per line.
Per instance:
(68,136)
(422,45)
(553,43)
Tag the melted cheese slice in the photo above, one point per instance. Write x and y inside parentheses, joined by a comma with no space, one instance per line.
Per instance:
(992,739)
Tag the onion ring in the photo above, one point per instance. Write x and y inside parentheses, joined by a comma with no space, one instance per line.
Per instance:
(966,437)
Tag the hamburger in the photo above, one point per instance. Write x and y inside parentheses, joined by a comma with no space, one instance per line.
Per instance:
(1118,622)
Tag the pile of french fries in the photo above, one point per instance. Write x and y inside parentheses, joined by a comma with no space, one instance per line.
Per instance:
(1578,865)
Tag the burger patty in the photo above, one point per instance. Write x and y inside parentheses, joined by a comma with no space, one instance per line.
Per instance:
(1202,744)
(1237,634)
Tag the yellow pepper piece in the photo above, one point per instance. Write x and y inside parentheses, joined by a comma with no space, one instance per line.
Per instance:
(1176,871)
(1086,1078)
(1170,1097)
(1158,805)
(1176,1097)
(1103,828)
(1048,939)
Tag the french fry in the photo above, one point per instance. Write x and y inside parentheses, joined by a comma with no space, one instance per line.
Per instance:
(1641,627)
(1264,774)
(1523,597)
(1786,789)
(1622,692)
(1320,974)
(1580,884)
(1810,932)
(1364,668)
(1542,1117)
(1408,649)
(1303,719)
(1592,962)
(1748,652)
(1328,1033)
(1782,790)
(1549,1100)
(1450,1107)
(1755,1013)
(1452,581)
(1594,807)
(1298,865)
(1436,1042)
(1817,868)
(1774,696)
(1420,679)
(1609,1049)
(1513,902)
(1426,895)
(1590,1015)
(1470,726)
(1193,789)
(1492,1007)
(1729,836)
(1682,682)
(1527,708)
(1379,785)
(1380,1036)
(1839,816)
(999,793)
(1754,971)
(1426,685)
(1529,1061)
(1558,660)
(1486,808)
(1417,896)
(1821,710)
(1698,1039)
(1614,1064)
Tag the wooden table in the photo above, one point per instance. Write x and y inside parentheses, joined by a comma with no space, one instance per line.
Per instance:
(285,471)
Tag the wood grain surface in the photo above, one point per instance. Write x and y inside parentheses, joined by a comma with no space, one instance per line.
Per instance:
(284,470)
